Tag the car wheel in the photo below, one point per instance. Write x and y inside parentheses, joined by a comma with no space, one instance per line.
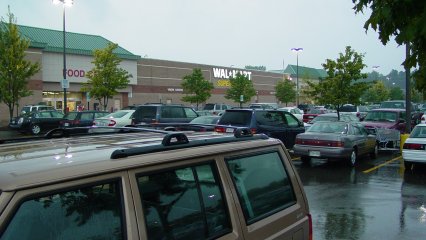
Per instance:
(375,152)
(35,129)
(305,159)
(353,158)
(408,165)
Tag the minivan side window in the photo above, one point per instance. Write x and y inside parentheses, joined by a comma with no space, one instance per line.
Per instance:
(90,212)
(262,184)
(185,203)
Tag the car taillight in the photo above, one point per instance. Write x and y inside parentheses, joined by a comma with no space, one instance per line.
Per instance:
(413,146)
(253,130)
(298,141)
(76,122)
(112,123)
(219,129)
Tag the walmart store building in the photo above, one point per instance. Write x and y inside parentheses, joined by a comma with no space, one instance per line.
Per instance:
(152,80)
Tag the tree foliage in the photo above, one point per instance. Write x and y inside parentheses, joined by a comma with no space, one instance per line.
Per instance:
(106,77)
(285,91)
(240,86)
(14,69)
(396,93)
(196,88)
(257,68)
(341,85)
(378,92)
(404,20)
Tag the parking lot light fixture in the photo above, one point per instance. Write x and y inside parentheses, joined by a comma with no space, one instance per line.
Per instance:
(65,3)
(297,50)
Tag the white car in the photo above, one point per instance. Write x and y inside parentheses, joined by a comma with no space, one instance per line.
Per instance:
(120,118)
(295,111)
(414,149)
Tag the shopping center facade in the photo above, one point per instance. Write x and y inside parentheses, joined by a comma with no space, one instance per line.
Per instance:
(153,80)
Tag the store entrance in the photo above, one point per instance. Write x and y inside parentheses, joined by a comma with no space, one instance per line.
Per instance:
(56,99)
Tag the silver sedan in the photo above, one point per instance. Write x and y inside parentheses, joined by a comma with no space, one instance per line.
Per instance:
(335,140)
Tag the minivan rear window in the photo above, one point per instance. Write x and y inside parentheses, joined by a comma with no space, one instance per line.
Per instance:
(238,118)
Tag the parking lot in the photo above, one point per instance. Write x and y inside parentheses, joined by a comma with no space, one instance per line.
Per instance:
(377,199)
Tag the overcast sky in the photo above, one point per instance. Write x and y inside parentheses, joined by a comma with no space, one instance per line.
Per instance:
(220,32)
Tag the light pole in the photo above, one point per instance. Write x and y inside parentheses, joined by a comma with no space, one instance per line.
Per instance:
(297,50)
(65,84)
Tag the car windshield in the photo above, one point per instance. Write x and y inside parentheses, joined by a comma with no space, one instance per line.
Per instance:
(348,108)
(381,116)
(205,120)
(316,111)
(118,114)
(324,118)
(208,106)
(392,105)
(328,127)
(418,132)
(71,116)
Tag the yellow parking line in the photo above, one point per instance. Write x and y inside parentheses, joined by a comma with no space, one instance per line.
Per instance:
(383,164)
(297,158)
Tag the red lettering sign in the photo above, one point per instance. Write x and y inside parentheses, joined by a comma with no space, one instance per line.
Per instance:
(75,73)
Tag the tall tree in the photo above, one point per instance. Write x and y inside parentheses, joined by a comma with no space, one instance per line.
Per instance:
(378,92)
(285,91)
(396,93)
(106,77)
(241,89)
(342,85)
(14,69)
(405,21)
(196,88)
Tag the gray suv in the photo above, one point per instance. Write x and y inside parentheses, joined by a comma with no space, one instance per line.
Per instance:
(162,113)
(151,185)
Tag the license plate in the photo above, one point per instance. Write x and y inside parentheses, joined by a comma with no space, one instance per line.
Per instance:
(314,153)
(66,124)
(229,130)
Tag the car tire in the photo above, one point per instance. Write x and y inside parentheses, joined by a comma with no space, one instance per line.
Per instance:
(374,154)
(408,165)
(353,158)
(305,159)
(35,129)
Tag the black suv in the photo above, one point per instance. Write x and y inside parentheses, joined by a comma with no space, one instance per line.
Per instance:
(161,113)
(37,122)
(274,123)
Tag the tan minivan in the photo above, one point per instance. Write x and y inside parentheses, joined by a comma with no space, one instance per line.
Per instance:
(151,185)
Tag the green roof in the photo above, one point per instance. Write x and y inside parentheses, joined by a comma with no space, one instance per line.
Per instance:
(312,73)
(76,43)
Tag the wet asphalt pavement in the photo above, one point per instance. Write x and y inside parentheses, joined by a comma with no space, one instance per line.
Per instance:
(378,199)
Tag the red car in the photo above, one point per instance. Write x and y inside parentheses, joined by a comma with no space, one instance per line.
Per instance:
(307,117)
